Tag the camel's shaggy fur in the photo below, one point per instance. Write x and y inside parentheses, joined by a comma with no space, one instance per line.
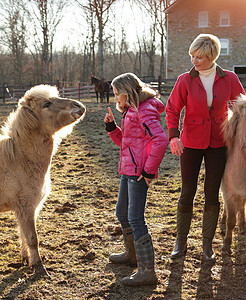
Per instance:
(234,179)
(27,143)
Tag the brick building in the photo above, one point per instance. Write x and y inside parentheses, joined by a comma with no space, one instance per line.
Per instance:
(224,18)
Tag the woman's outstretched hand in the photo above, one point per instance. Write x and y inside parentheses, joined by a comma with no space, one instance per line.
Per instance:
(176,146)
(109,116)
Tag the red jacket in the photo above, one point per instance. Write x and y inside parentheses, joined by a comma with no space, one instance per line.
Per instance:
(201,126)
(141,139)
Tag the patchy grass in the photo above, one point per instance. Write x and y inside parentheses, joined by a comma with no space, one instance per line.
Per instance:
(77,231)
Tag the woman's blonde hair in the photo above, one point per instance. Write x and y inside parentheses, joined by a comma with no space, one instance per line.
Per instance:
(206,44)
(135,90)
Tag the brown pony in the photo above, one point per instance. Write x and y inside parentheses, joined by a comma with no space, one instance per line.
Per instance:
(101,87)
(234,180)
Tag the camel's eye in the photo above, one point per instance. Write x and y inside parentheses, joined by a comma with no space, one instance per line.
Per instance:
(47,104)
(76,104)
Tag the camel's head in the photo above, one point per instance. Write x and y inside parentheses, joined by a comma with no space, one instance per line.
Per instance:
(48,112)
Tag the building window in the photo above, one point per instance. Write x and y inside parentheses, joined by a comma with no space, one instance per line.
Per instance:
(203,19)
(240,70)
(224,47)
(224,18)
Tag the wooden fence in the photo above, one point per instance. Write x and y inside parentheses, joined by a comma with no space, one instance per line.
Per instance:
(83,90)
(74,90)
(12,93)
(163,86)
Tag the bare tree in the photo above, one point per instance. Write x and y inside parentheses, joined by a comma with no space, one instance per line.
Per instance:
(100,9)
(13,35)
(67,64)
(150,49)
(45,15)
(90,39)
(155,8)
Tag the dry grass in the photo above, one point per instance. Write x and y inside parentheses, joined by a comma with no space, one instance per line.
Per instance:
(77,231)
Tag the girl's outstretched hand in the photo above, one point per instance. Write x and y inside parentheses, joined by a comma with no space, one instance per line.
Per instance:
(109,116)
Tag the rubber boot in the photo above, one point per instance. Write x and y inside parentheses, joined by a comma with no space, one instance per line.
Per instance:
(145,256)
(210,220)
(184,216)
(129,256)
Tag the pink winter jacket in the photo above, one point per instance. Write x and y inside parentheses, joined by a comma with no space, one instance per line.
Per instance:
(141,139)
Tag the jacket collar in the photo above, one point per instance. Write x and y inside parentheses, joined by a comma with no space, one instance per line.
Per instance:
(221,73)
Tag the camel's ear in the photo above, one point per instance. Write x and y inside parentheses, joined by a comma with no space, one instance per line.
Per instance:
(28,116)
(23,102)
(27,104)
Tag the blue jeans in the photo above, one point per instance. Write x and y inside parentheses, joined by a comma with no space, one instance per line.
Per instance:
(130,206)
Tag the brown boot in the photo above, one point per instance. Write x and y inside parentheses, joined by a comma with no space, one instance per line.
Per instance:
(146,272)
(184,216)
(129,256)
(210,219)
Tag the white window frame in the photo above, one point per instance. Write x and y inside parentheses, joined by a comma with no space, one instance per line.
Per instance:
(227,43)
(224,18)
(203,19)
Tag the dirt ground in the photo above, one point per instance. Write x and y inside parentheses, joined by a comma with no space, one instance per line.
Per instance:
(78,230)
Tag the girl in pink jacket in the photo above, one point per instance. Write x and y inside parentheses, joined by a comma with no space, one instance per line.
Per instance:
(143,143)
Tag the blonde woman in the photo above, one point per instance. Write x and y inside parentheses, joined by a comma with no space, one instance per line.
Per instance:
(204,92)
(143,143)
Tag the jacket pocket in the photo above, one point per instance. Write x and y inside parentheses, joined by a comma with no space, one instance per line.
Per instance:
(194,120)
(147,129)
(133,159)
(193,131)
(219,119)
(217,126)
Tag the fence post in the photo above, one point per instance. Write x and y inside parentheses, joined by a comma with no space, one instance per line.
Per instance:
(159,84)
(3,93)
(79,90)
(88,90)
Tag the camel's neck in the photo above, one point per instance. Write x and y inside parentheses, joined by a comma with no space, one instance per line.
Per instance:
(26,142)
(36,149)
(38,145)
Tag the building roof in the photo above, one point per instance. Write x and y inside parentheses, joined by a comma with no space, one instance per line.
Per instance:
(213,4)
(170,7)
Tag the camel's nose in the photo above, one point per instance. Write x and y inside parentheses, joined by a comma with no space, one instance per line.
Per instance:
(80,106)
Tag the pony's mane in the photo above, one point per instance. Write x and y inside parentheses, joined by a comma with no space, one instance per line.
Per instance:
(230,126)
(39,92)
(22,122)
(24,125)
(19,124)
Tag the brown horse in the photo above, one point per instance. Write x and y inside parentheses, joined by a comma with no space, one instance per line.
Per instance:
(101,87)
(233,183)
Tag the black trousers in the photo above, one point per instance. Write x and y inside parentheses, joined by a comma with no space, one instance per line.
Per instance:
(190,163)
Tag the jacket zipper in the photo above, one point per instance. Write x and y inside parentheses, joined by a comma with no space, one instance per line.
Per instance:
(123,117)
(147,128)
(133,160)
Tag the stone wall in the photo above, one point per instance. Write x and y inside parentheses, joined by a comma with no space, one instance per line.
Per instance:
(183,28)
